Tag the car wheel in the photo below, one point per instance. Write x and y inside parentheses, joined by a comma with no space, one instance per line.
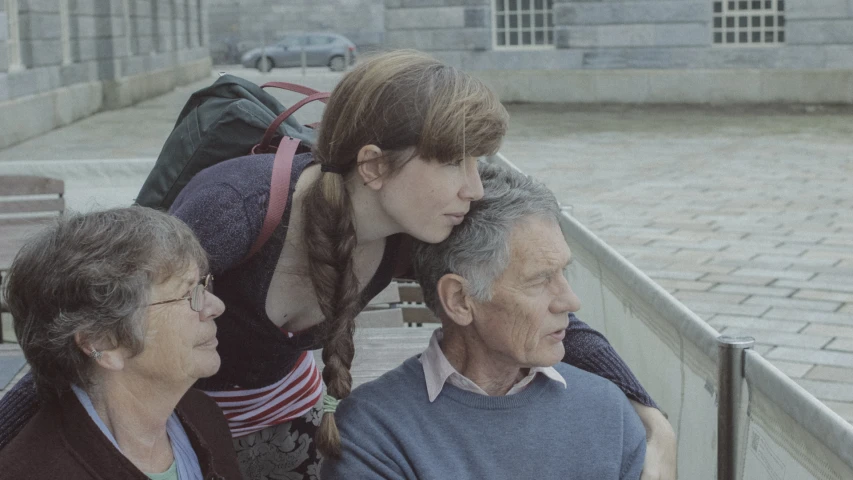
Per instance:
(265,64)
(337,64)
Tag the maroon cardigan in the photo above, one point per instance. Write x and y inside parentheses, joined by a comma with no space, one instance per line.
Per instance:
(62,441)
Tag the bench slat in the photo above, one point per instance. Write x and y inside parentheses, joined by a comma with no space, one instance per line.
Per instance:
(418,314)
(30,185)
(32,206)
(388,295)
(388,317)
(411,293)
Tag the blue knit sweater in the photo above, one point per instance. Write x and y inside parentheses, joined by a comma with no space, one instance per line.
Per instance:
(390,430)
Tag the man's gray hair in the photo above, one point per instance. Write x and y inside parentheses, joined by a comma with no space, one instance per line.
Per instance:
(92,274)
(478,250)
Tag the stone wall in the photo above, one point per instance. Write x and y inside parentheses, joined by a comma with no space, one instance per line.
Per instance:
(639,51)
(61,60)
(444,26)
(240,25)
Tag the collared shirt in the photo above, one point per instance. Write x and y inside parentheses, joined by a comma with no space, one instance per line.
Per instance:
(438,371)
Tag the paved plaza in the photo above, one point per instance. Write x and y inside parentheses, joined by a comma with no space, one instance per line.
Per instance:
(745,216)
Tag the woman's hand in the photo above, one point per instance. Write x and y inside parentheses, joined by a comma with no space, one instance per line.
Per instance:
(661,445)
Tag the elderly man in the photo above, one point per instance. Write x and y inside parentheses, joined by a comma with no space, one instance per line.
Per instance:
(489,398)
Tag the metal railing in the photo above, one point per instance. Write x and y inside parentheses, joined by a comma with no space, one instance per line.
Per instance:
(737,417)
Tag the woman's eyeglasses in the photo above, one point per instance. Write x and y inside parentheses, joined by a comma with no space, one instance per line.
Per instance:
(196,296)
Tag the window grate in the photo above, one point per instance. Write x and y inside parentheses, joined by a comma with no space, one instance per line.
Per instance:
(748,22)
(523,24)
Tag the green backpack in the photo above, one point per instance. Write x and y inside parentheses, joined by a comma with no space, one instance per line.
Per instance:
(229,119)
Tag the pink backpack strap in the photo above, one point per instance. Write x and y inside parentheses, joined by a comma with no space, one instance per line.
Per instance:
(279,191)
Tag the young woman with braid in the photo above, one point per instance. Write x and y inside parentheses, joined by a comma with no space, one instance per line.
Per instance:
(396,157)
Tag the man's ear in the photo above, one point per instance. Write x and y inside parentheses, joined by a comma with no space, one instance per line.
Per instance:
(454,299)
(111,358)
(370,168)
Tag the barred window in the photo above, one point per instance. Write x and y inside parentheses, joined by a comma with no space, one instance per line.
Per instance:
(749,22)
(523,23)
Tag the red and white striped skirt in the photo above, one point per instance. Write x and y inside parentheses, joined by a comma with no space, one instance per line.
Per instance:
(249,411)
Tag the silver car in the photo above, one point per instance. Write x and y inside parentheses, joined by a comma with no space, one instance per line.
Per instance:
(321,50)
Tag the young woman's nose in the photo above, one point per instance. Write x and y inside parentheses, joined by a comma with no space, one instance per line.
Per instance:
(473,187)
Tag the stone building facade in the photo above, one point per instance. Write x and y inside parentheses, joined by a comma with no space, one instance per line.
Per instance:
(240,25)
(61,60)
(639,50)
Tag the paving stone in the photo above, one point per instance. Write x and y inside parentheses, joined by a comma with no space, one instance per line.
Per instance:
(828,277)
(820,357)
(734,259)
(842,253)
(787,274)
(793,369)
(773,337)
(703,268)
(724,309)
(693,256)
(810,262)
(799,237)
(753,290)
(840,331)
(673,275)
(844,410)
(822,295)
(617,241)
(708,297)
(841,344)
(738,279)
(831,374)
(831,318)
(724,321)
(673,285)
(823,390)
(835,271)
(703,246)
(763,350)
(792,303)
(814,284)
(838,241)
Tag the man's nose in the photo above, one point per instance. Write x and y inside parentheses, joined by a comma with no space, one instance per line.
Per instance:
(565,301)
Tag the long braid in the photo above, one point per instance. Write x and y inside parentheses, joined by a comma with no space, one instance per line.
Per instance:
(331,241)
(405,103)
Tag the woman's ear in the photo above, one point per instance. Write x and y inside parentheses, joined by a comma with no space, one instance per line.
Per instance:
(454,299)
(370,168)
(107,357)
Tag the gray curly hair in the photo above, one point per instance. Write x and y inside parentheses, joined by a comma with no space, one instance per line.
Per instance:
(92,274)
(478,249)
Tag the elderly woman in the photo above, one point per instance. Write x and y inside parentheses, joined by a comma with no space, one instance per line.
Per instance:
(114,314)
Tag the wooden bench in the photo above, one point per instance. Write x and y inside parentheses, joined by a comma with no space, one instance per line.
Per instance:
(402,302)
(27,203)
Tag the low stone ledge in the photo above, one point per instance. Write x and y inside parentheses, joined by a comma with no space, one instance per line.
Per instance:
(669,86)
(127,91)
(27,117)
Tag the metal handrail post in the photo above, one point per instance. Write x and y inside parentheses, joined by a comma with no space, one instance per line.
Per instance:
(729,425)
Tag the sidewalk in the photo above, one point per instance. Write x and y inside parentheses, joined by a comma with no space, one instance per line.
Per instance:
(747,218)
